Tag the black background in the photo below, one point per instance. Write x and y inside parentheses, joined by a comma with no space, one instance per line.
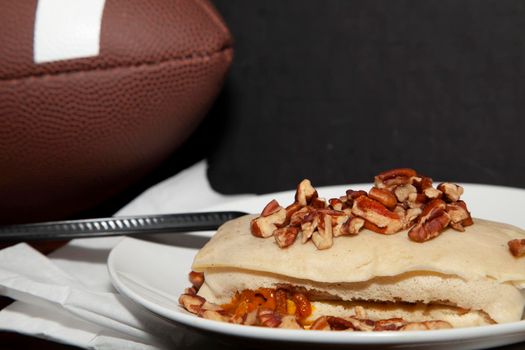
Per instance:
(337,91)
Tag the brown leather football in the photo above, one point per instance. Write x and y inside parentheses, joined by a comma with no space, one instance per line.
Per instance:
(94,95)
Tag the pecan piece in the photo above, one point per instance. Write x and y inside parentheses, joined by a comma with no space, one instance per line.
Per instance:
(459,215)
(352,226)
(323,237)
(336,203)
(403,192)
(270,208)
(285,236)
(416,200)
(362,324)
(352,195)
(432,193)
(451,191)
(432,222)
(320,324)
(251,318)
(291,210)
(309,226)
(391,324)
(338,219)
(297,218)
(268,318)
(421,183)
(339,324)
(426,325)
(263,226)
(213,315)
(395,177)
(305,192)
(196,279)
(290,322)
(192,303)
(383,196)
(318,203)
(377,214)
(360,312)
(411,215)
(190,291)
(339,228)
(517,247)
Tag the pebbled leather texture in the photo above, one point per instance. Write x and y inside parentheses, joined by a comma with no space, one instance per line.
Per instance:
(73,133)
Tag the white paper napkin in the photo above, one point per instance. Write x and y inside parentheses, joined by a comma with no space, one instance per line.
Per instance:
(68,297)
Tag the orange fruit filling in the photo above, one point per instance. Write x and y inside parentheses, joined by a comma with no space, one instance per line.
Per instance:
(278,300)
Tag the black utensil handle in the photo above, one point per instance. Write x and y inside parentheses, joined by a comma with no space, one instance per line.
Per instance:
(115,226)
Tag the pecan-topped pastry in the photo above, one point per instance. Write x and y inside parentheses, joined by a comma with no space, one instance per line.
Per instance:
(403,256)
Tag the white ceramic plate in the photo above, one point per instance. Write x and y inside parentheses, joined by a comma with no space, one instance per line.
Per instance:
(154,273)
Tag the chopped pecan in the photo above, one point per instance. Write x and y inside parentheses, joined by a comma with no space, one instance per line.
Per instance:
(459,215)
(395,177)
(320,324)
(391,324)
(416,200)
(250,318)
(432,222)
(196,279)
(401,211)
(426,325)
(339,223)
(352,226)
(192,303)
(318,203)
(377,214)
(214,315)
(362,324)
(421,183)
(289,322)
(309,226)
(360,312)
(339,324)
(338,220)
(336,203)
(291,210)
(211,306)
(268,318)
(270,208)
(297,218)
(452,192)
(323,237)
(411,216)
(238,318)
(437,324)
(517,247)
(432,193)
(373,227)
(383,196)
(305,192)
(263,226)
(352,195)
(190,291)
(408,216)
(285,236)
(403,192)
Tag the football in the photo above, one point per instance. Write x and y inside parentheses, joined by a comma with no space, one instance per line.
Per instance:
(95,93)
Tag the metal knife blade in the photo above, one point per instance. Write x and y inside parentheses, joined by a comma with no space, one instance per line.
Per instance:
(116,226)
